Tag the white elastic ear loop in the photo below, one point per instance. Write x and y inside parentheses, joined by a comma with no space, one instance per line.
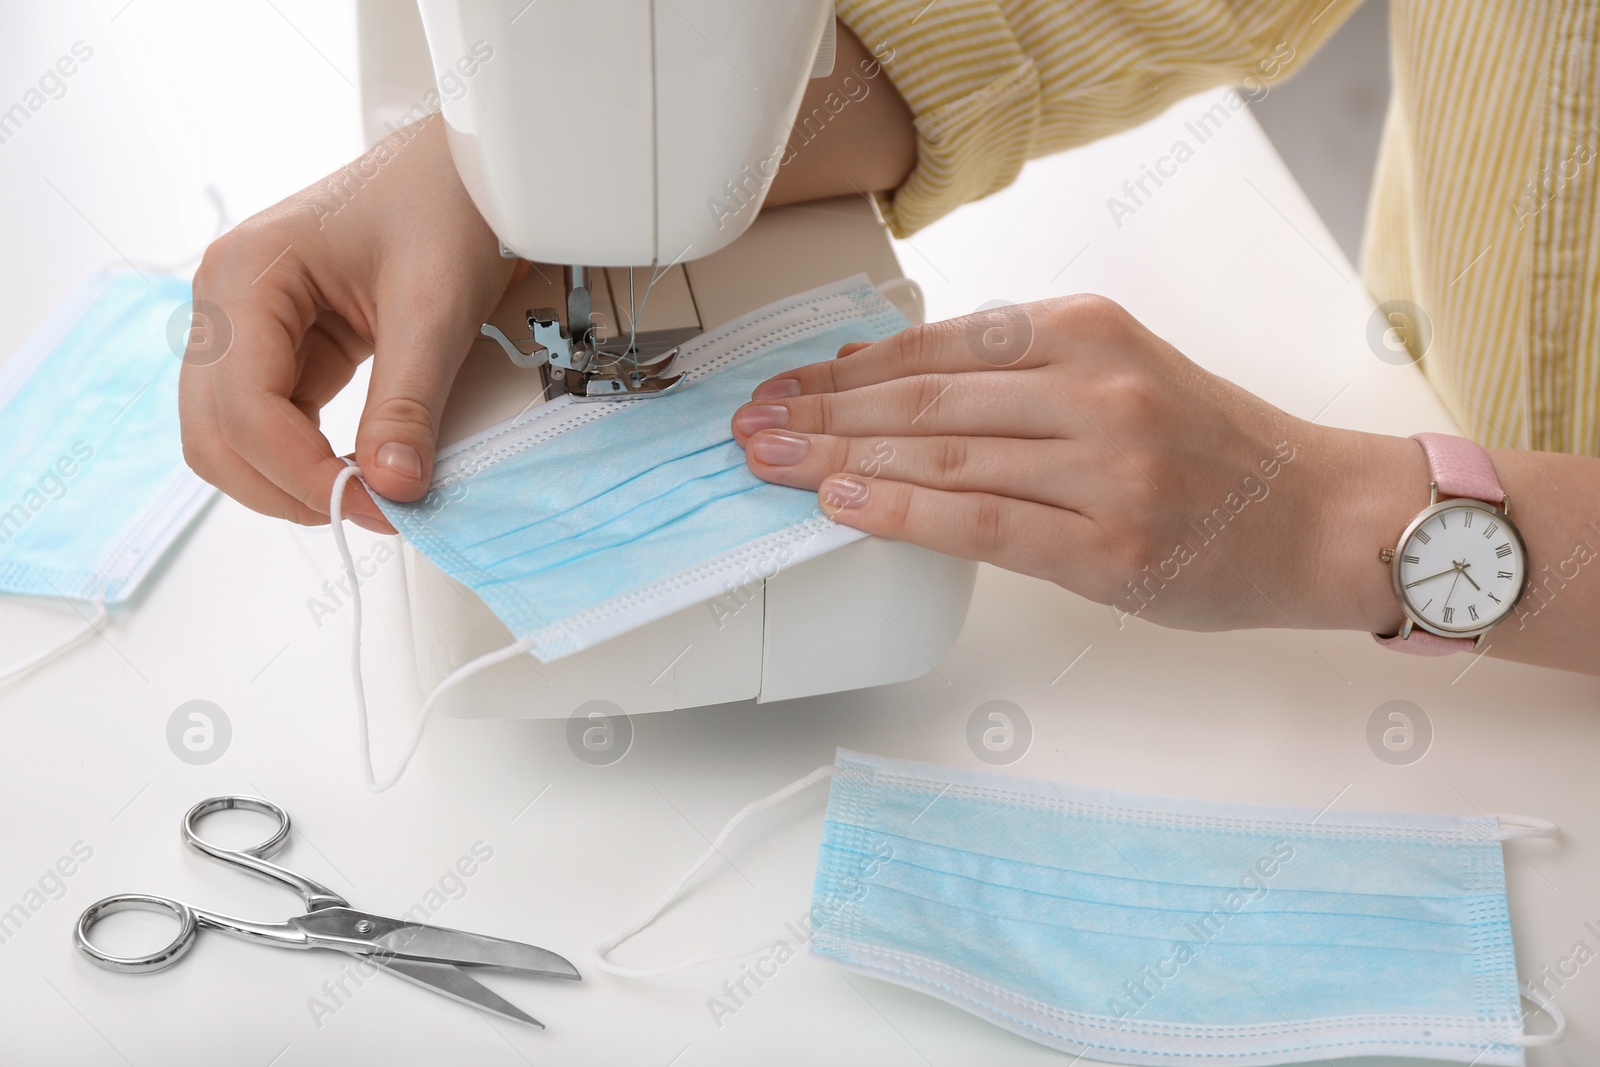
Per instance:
(601,948)
(91,625)
(454,678)
(914,307)
(1515,827)
(1548,1006)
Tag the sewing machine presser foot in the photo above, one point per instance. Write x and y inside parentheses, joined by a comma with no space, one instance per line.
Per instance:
(586,368)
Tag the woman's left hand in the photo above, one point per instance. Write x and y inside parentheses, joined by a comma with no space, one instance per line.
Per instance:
(1062,439)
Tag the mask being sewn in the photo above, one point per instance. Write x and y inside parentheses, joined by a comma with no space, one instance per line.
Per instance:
(579,521)
(575,522)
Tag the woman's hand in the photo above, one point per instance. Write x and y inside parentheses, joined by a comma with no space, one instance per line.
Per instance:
(386,255)
(1064,440)
(389,254)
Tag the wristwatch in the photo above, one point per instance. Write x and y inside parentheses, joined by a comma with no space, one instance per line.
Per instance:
(1460,565)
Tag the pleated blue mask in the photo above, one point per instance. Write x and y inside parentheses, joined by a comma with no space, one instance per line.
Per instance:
(1128,928)
(577,521)
(93,488)
(1154,930)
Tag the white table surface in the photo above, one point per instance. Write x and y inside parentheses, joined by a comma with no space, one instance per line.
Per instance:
(1228,261)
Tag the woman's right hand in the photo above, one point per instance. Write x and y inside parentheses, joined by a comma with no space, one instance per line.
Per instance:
(385,257)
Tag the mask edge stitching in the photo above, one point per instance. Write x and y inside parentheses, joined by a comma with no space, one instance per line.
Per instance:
(171,509)
(1068,805)
(978,987)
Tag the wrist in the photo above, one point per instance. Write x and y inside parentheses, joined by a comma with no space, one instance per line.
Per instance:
(1372,485)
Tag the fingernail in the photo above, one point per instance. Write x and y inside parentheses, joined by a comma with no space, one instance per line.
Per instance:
(753,418)
(840,491)
(400,458)
(776,389)
(779,448)
(366,522)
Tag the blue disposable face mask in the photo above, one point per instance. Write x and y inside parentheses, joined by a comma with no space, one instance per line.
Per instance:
(575,522)
(93,488)
(1154,930)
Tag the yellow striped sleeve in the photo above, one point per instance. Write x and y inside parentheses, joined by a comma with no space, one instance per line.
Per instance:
(993,83)
(1485,218)
(972,88)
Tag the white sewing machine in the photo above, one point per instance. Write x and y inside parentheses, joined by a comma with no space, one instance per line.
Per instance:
(657,156)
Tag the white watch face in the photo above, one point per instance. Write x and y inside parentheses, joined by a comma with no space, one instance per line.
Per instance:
(1460,566)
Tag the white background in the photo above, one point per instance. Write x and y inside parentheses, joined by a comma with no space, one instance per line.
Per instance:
(256,100)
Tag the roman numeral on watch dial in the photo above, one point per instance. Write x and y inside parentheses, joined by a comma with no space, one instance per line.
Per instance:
(1503,551)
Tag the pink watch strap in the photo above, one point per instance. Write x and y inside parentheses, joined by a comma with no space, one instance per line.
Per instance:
(1423,643)
(1459,467)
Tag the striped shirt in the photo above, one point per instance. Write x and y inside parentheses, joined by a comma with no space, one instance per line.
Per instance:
(1484,229)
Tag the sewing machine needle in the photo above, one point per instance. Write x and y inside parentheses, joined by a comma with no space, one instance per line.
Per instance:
(633,320)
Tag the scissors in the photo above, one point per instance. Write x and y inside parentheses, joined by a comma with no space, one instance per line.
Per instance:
(430,956)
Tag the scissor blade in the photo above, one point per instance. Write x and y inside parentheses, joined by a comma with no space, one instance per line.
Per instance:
(418,941)
(377,936)
(457,985)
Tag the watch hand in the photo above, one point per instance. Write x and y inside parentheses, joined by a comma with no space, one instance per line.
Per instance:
(1451,570)
(1468,577)
(1453,585)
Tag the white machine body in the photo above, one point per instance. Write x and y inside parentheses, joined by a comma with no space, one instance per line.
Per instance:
(624,132)
(610,134)
(872,613)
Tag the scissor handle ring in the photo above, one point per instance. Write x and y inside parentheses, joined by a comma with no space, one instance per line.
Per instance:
(254,858)
(269,847)
(188,926)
